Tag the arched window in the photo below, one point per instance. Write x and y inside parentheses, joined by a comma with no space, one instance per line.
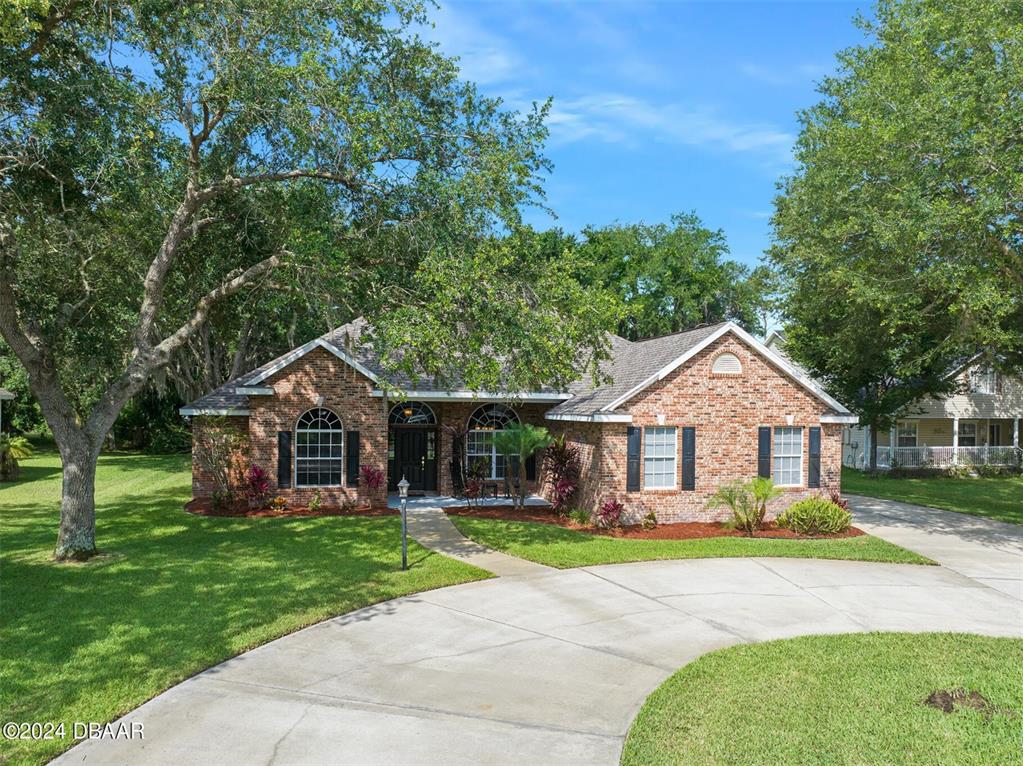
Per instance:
(479,443)
(319,442)
(411,414)
(727,364)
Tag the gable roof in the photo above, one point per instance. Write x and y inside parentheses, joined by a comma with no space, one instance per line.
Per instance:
(633,366)
(645,362)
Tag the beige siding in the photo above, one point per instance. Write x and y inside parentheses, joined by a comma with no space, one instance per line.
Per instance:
(1007,403)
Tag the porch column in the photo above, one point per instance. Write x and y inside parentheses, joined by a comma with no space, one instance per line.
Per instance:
(1015,433)
(955,441)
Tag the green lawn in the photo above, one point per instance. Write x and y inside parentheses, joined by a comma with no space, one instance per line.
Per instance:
(564,548)
(173,594)
(997,498)
(837,700)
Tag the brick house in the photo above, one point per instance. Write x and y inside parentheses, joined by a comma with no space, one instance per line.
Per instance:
(682,414)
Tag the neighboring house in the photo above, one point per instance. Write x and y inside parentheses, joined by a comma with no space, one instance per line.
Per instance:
(5,396)
(980,424)
(681,415)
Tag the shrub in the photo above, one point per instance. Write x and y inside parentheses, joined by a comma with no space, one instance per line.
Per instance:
(836,498)
(221,500)
(561,463)
(474,490)
(609,514)
(257,486)
(815,516)
(581,517)
(12,449)
(316,501)
(649,521)
(278,503)
(218,446)
(747,500)
(371,477)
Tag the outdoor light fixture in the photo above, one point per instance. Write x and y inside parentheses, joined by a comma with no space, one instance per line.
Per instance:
(403,486)
(407,412)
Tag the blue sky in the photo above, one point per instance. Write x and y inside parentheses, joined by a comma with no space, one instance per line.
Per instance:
(658,107)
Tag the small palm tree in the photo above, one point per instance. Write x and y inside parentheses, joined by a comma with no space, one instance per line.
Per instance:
(12,449)
(747,500)
(519,442)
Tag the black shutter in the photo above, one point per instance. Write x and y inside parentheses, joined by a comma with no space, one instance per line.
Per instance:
(283,459)
(689,458)
(632,464)
(352,461)
(764,452)
(813,479)
(531,467)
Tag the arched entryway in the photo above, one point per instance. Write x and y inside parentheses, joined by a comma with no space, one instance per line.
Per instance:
(412,447)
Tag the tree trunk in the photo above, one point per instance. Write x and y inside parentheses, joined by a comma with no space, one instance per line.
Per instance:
(76,538)
(522,482)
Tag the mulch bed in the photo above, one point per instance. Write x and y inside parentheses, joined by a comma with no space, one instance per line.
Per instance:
(687,530)
(204,508)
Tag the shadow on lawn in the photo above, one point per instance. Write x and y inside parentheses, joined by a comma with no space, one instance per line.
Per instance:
(169,575)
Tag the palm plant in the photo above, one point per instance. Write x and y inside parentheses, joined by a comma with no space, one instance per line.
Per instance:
(518,442)
(12,449)
(747,500)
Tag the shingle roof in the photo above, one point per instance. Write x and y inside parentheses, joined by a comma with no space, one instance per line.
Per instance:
(630,364)
(5,394)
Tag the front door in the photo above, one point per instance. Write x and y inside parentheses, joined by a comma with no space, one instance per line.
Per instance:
(414,458)
(994,435)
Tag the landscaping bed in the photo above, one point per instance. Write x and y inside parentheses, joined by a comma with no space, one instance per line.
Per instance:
(846,700)
(203,507)
(686,530)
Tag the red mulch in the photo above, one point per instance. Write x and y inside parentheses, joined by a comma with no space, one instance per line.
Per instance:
(204,508)
(687,530)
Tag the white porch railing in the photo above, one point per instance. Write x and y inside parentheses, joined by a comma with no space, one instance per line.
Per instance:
(933,457)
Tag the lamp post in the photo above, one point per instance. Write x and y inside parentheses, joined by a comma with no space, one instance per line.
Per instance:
(403,494)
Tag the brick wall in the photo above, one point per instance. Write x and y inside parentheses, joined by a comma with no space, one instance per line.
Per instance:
(203,484)
(726,411)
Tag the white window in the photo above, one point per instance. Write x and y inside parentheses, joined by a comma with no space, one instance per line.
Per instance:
(788,457)
(905,433)
(659,449)
(319,446)
(727,364)
(983,380)
(967,434)
(479,442)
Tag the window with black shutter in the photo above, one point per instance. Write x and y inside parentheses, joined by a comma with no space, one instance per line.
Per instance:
(764,452)
(634,438)
(688,458)
(352,467)
(813,478)
(283,459)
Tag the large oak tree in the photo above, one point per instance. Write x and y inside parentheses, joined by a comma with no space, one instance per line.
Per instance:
(161,160)
(900,235)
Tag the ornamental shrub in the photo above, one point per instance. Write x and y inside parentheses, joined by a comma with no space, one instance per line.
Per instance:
(815,516)
(747,500)
(257,486)
(581,517)
(561,462)
(371,477)
(609,514)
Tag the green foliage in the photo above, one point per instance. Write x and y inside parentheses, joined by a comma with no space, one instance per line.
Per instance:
(20,414)
(747,500)
(672,276)
(581,516)
(815,516)
(150,422)
(518,442)
(899,236)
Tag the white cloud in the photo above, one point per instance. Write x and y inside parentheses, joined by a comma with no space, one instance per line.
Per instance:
(618,118)
(484,57)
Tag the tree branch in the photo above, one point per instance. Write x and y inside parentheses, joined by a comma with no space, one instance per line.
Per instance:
(53,19)
(230,183)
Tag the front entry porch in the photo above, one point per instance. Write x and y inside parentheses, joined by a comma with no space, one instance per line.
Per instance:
(448,501)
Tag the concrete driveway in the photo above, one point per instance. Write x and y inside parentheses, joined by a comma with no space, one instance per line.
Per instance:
(546,668)
(985,550)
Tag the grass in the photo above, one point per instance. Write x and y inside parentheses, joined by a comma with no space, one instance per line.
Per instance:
(564,548)
(836,700)
(995,498)
(172,594)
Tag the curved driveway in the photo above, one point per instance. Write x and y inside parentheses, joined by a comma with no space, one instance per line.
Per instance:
(547,668)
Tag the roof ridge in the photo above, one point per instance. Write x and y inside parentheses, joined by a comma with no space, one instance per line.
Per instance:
(694,328)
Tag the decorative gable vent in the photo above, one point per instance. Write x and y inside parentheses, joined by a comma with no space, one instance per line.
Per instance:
(727,364)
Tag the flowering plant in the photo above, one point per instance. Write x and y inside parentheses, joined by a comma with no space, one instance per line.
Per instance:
(371,477)
(609,514)
(257,486)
